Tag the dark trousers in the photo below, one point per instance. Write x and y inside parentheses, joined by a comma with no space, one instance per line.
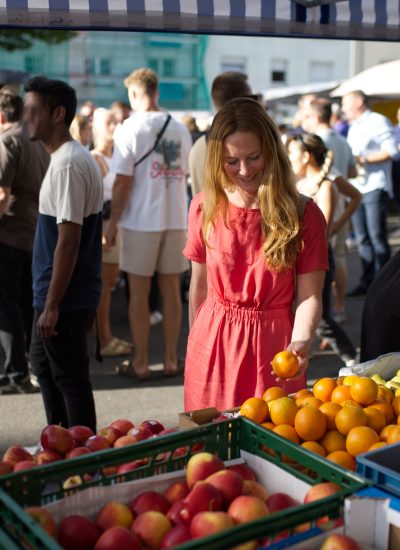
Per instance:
(16,310)
(328,328)
(369,222)
(61,365)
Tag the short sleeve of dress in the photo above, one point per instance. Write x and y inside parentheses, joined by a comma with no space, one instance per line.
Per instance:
(314,255)
(195,249)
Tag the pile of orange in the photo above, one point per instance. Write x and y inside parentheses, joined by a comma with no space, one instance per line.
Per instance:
(339,418)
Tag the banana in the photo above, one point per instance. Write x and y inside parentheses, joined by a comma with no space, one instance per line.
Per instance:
(378,379)
(392,385)
(396,379)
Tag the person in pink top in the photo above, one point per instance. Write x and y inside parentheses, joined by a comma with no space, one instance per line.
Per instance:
(259,254)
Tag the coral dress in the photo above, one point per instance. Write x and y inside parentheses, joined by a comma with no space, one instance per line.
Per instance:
(247,316)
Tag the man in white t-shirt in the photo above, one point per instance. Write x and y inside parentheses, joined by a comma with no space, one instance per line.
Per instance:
(149,208)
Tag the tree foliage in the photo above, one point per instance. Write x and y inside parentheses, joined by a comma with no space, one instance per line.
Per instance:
(13,39)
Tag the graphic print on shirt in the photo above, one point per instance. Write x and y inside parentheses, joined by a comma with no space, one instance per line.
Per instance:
(168,169)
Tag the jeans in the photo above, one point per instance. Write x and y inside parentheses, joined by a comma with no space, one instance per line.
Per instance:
(16,310)
(328,328)
(61,365)
(369,222)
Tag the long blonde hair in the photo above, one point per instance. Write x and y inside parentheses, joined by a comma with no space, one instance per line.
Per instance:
(277,195)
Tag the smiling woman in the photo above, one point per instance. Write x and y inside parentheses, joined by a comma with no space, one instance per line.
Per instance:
(254,245)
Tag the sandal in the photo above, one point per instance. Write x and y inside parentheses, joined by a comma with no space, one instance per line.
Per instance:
(115,348)
(180,369)
(127,368)
(124,342)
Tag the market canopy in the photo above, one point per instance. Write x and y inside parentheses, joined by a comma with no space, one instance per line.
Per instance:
(381,81)
(353,19)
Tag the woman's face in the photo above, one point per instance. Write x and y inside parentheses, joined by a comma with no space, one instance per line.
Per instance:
(243,161)
(297,158)
(109,127)
(86,134)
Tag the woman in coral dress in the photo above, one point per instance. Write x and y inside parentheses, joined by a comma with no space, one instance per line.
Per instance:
(259,256)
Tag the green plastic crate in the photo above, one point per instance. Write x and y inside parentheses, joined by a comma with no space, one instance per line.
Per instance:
(169,453)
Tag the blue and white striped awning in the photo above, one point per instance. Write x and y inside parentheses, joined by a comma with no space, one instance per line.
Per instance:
(355,19)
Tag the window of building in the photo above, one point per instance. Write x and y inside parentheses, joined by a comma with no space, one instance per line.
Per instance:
(321,71)
(33,64)
(105,66)
(89,65)
(278,71)
(233,64)
(153,65)
(168,67)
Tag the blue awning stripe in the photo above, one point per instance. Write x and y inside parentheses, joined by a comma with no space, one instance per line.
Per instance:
(375,19)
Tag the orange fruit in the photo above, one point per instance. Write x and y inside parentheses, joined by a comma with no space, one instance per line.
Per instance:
(301,393)
(274,392)
(386,431)
(376,419)
(360,439)
(384,407)
(310,423)
(323,389)
(396,406)
(349,379)
(308,401)
(394,435)
(385,393)
(350,403)
(314,447)
(283,411)
(288,432)
(333,441)
(398,420)
(268,425)
(254,408)
(285,364)
(343,458)
(350,417)
(340,393)
(330,411)
(378,445)
(339,380)
(364,390)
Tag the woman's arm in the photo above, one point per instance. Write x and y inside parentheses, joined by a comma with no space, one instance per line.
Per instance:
(307,316)
(348,190)
(326,201)
(197,289)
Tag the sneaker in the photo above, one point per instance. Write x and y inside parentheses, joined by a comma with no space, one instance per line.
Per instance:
(34,380)
(25,386)
(339,316)
(155,318)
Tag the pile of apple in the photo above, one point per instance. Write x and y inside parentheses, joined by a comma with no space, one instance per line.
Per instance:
(213,498)
(60,443)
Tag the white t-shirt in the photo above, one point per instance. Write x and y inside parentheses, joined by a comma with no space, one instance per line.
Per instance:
(158,200)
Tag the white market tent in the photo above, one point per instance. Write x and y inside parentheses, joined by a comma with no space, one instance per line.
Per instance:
(351,19)
(379,81)
(290,94)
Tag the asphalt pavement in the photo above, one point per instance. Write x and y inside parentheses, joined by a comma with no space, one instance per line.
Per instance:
(22,416)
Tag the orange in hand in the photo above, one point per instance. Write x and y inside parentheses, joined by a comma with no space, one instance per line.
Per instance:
(285,364)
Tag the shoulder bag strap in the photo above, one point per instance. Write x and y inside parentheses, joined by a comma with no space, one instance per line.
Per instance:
(159,136)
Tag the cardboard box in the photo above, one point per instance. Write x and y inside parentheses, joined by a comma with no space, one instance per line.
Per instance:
(194,419)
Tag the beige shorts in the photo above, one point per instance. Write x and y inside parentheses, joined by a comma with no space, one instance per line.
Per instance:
(340,250)
(143,253)
(111,255)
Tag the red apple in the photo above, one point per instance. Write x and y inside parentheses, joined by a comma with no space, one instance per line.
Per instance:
(200,466)
(321,490)
(229,483)
(124,441)
(46,456)
(6,468)
(131,466)
(169,431)
(178,535)
(140,433)
(43,518)
(16,454)
(255,489)
(174,513)
(202,498)
(340,542)
(153,426)
(181,451)
(24,465)
(208,523)
(245,471)
(149,500)
(176,491)
(150,528)
(247,508)
(97,443)
(80,434)
(122,425)
(280,501)
(56,438)
(114,514)
(77,451)
(111,434)
(78,533)
(118,538)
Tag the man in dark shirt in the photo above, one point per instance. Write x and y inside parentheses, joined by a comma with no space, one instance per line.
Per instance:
(23,165)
